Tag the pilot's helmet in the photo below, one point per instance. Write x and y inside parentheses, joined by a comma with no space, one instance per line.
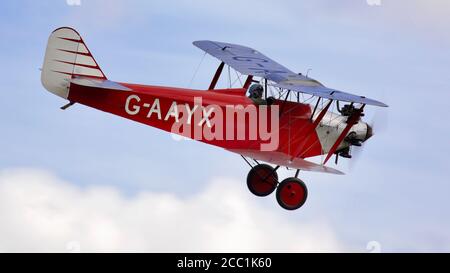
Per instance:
(256,91)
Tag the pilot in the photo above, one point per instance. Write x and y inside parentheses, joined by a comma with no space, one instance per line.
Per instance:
(255,93)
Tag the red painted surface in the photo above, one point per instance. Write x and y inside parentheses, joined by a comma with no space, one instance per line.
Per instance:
(293,122)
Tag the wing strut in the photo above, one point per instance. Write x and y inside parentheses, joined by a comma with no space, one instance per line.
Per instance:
(312,128)
(315,107)
(216,76)
(248,81)
(352,120)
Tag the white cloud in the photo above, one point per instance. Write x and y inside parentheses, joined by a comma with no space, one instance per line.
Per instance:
(40,212)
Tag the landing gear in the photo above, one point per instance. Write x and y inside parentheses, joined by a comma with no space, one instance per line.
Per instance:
(262,180)
(291,193)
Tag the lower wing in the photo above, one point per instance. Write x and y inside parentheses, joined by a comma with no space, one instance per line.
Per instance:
(281,159)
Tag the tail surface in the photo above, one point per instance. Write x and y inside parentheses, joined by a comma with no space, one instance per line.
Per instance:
(67,57)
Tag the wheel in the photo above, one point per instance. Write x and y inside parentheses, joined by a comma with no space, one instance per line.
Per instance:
(262,180)
(291,193)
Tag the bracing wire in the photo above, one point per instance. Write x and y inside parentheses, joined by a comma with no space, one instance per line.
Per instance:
(238,78)
(196,70)
(229,76)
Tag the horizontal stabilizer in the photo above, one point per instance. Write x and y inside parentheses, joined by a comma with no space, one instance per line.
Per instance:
(98,83)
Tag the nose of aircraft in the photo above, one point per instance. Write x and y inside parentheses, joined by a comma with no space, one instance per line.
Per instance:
(369,132)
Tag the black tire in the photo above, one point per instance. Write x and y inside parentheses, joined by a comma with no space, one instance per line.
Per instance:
(291,193)
(262,180)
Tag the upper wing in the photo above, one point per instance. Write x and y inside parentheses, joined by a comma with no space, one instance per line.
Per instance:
(246,60)
(281,159)
(328,93)
(251,62)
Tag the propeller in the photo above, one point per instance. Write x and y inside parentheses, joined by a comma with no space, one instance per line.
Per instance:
(379,121)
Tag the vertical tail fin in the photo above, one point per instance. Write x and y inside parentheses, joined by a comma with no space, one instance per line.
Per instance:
(67,57)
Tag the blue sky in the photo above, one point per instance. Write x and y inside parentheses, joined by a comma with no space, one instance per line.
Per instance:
(397,52)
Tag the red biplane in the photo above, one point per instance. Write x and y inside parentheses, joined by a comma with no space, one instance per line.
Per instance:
(275,116)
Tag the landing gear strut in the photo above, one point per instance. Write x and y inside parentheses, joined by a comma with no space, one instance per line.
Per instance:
(291,193)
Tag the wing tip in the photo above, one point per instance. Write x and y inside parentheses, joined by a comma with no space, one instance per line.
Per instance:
(332,170)
(197,42)
(378,103)
(374,102)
